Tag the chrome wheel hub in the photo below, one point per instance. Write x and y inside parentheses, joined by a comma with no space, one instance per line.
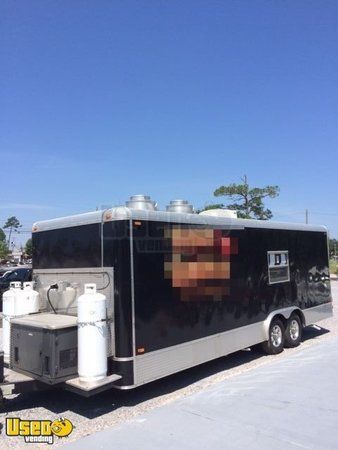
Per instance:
(294,330)
(276,336)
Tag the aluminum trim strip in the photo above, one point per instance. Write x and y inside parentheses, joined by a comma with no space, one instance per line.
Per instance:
(121,213)
(71,270)
(69,221)
(126,358)
(132,294)
(318,313)
(124,213)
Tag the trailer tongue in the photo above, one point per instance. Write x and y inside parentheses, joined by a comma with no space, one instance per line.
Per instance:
(44,354)
(13,382)
(44,348)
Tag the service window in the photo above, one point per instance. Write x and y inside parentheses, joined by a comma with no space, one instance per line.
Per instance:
(278,266)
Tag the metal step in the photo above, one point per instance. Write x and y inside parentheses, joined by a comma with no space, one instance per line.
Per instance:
(89,388)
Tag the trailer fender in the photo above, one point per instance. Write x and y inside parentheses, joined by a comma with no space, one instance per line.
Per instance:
(283,314)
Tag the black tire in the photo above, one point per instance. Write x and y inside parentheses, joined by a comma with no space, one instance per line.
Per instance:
(275,343)
(294,331)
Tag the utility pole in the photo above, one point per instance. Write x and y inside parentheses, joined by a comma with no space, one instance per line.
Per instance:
(306,216)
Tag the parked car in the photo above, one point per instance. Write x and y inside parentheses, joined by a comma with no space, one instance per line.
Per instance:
(5,269)
(17,274)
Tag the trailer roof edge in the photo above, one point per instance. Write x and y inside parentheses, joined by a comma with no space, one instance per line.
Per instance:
(124,213)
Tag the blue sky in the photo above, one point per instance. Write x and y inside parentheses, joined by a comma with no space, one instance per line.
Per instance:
(101,100)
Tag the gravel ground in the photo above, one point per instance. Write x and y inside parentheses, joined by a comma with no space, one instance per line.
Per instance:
(113,407)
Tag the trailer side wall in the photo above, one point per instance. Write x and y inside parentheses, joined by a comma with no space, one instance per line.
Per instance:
(192,281)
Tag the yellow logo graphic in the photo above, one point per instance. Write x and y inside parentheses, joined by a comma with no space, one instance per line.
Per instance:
(62,427)
(36,431)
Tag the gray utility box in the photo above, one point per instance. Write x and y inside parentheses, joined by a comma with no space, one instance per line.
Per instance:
(44,346)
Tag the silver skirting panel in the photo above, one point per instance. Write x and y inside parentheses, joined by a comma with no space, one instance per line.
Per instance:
(318,313)
(173,359)
(160,363)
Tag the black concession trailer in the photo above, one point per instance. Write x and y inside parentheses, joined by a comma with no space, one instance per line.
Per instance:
(181,289)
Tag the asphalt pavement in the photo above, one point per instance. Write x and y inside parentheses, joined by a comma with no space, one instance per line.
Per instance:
(289,403)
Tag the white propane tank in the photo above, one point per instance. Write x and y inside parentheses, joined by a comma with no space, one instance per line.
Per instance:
(9,300)
(29,299)
(92,334)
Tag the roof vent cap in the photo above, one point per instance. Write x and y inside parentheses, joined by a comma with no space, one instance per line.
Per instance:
(180,206)
(141,202)
(220,213)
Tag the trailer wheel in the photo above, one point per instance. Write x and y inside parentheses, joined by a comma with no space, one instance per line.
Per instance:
(294,331)
(275,343)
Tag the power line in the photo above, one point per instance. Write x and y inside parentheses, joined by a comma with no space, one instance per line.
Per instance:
(295,213)
(19,231)
(324,214)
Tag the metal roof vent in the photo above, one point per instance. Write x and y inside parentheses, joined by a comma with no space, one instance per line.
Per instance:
(141,202)
(180,206)
(220,213)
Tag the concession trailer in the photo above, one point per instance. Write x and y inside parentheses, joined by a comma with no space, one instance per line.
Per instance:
(131,294)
